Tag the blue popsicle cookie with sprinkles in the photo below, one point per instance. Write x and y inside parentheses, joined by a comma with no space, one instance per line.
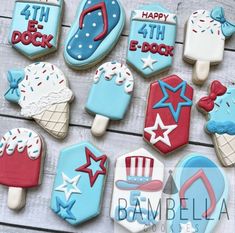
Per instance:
(204,40)
(36,26)
(42,91)
(95,31)
(110,95)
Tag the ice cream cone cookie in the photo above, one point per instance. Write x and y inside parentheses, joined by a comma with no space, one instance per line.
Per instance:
(203,192)
(152,39)
(219,106)
(42,91)
(110,95)
(21,164)
(138,184)
(79,183)
(36,26)
(95,31)
(168,114)
(204,41)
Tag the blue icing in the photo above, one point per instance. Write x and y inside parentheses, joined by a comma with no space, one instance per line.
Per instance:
(81,48)
(221,118)
(14,78)
(193,213)
(144,35)
(43,30)
(85,203)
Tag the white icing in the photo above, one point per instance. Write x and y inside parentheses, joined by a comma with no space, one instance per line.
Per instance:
(120,71)
(204,39)
(43,85)
(55,2)
(19,139)
(187,228)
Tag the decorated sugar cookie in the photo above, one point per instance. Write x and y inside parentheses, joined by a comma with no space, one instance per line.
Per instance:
(168,114)
(79,183)
(36,26)
(204,41)
(95,31)
(219,107)
(41,89)
(202,196)
(137,186)
(152,39)
(21,164)
(110,95)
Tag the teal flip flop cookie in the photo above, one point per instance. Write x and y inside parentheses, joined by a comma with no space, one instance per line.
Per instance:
(95,31)
(203,191)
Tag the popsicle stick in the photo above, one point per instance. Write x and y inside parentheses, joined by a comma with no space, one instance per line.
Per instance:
(99,125)
(16,198)
(201,72)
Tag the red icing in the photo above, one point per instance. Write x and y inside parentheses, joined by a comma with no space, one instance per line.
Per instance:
(199,175)
(207,102)
(103,9)
(32,36)
(18,170)
(180,135)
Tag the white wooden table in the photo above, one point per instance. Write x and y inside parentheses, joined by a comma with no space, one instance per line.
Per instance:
(122,136)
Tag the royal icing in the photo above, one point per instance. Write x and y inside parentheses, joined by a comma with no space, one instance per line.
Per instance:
(204,40)
(35,27)
(137,190)
(21,155)
(201,209)
(220,108)
(79,183)
(151,39)
(95,31)
(111,92)
(41,89)
(171,97)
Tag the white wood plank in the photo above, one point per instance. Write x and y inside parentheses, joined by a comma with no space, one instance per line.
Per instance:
(81,82)
(183,8)
(37,211)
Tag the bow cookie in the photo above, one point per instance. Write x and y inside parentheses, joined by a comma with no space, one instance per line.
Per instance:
(207,102)
(14,78)
(227,28)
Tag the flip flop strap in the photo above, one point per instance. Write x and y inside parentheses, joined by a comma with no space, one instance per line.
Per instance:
(103,9)
(199,175)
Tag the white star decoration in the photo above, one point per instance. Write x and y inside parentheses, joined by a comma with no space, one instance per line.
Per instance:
(187,228)
(67,190)
(158,123)
(148,62)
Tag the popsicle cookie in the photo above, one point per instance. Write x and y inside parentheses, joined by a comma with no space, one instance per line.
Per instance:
(168,114)
(219,107)
(110,95)
(204,41)
(21,164)
(152,39)
(138,183)
(202,196)
(41,89)
(94,32)
(79,183)
(36,26)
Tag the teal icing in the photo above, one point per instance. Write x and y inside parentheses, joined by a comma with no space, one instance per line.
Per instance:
(14,78)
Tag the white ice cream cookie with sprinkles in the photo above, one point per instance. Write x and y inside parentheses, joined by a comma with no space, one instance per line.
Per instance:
(41,89)
(204,40)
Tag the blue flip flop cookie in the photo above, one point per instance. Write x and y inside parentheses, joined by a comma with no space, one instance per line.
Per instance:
(95,31)
(203,191)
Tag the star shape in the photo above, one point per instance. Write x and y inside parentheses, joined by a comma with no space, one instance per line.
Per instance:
(187,228)
(162,104)
(148,62)
(64,209)
(158,123)
(86,167)
(65,186)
